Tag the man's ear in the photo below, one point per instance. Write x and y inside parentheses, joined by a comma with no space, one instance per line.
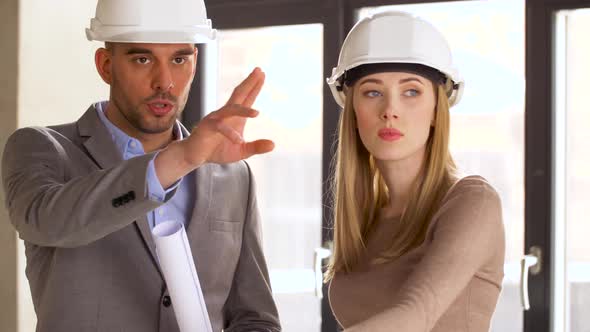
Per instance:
(196,60)
(104,64)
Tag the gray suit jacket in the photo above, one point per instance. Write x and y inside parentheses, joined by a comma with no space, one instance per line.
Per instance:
(81,211)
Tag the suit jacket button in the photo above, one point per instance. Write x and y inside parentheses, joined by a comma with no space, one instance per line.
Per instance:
(166,301)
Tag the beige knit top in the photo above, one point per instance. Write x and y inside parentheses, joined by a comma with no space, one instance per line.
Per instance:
(450,283)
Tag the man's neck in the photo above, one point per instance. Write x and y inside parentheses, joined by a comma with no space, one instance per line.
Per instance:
(150,142)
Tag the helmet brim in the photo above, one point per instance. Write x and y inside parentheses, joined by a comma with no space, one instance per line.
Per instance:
(195,35)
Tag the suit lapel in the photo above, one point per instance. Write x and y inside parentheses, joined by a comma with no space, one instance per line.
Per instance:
(202,193)
(198,225)
(146,234)
(100,146)
(97,140)
(202,183)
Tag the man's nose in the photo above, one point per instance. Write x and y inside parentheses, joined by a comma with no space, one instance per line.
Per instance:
(162,81)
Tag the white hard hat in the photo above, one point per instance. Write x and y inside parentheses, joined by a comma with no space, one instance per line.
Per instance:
(151,21)
(398,38)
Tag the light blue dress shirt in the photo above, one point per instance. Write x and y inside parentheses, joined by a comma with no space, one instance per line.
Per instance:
(180,206)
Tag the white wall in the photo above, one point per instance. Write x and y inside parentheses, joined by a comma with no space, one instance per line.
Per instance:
(48,77)
(58,80)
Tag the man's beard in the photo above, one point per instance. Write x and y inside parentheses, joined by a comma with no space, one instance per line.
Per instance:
(145,123)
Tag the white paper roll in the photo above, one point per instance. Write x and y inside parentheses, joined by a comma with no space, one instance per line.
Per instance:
(177,264)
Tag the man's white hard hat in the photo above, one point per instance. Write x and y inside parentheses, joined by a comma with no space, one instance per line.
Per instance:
(151,21)
(395,37)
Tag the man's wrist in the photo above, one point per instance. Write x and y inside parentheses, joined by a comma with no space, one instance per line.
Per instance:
(171,163)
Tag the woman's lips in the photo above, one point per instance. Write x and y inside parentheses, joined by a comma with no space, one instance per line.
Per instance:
(390,134)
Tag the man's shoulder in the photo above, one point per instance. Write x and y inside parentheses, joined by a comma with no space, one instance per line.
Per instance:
(70,130)
(38,134)
(66,129)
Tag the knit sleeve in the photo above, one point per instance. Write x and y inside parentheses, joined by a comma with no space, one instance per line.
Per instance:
(467,233)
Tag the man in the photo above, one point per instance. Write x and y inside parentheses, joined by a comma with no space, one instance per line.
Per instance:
(84,196)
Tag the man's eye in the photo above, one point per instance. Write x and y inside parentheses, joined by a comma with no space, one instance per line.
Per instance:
(179,61)
(142,60)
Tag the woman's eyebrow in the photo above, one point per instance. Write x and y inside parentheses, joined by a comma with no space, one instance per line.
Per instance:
(370,80)
(410,79)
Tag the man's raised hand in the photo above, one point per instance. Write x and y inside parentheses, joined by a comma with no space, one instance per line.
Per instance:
(218,138)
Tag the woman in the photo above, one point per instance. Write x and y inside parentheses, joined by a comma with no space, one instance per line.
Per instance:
(416,247)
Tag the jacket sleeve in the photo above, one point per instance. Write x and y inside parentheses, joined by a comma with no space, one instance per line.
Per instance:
(466,236)
(48,210)
(250,305)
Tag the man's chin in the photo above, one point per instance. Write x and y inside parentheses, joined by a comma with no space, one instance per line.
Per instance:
(157,128)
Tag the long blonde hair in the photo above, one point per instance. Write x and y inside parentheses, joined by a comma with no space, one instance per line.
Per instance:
(359,190)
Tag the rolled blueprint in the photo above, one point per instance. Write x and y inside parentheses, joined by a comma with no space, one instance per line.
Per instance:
(178,267)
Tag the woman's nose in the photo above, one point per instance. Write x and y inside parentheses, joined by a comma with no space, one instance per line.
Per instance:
(390,111)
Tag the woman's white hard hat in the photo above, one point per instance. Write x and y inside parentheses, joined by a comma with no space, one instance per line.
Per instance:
(395,37)
(151,21)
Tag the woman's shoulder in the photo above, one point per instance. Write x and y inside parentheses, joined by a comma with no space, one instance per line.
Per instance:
(473,187)
(470,195)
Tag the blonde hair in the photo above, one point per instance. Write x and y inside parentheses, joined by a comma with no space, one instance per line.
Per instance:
(359,190)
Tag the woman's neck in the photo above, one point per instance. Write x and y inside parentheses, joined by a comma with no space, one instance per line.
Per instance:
(399,177)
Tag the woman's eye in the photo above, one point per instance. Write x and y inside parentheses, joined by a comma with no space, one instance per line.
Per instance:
(142,60)
(179,61)
(372,94)
(411,93)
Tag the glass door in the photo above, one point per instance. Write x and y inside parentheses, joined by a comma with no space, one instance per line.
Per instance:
(289,180)
(571,284)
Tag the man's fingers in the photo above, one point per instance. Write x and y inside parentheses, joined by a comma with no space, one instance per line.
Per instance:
(228,131)
(251,98)
(242,91)
(257,147)
(234,110)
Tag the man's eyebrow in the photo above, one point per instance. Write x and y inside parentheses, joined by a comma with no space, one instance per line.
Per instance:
(185,51)
(137,50)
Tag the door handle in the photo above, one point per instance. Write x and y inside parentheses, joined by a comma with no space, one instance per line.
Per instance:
(532,262)
(319,255)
